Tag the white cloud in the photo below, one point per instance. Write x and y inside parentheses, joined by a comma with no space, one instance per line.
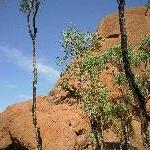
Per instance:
(25,62)
(10,86)
(23,96)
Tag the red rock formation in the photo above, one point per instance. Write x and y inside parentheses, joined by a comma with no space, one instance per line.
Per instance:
(64,126)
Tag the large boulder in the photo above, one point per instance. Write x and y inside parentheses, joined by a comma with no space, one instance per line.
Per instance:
(62,127)
(63,123)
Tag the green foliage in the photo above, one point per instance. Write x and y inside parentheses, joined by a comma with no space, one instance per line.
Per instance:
(116,116)
(120,78)
(144,53)
(27,6)
(93,63)
(115,110)
(95,97)
(94,100)
(75,42)
(97,105)
(141,80)
(97,63)
(113,55)
(65,86)
(113,113)
(142,83)
(145,49)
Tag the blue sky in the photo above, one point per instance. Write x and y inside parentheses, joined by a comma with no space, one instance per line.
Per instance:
(15,44)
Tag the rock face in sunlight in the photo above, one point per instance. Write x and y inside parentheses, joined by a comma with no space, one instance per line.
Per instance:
(63,124)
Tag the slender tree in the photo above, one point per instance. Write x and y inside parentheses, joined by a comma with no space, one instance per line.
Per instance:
(94,98)
(147,7)
(75,43)
(30,8)
(141,100)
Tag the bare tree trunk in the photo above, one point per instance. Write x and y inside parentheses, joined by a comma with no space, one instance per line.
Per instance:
(95,131)
(146,12)
(34,115)
(121,143)
(141,100)
(125,142)
(101,134)
(31,20)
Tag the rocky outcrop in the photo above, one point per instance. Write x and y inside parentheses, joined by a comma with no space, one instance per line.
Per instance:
(63,124)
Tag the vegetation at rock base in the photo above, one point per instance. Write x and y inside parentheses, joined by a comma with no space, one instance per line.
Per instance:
(95,99)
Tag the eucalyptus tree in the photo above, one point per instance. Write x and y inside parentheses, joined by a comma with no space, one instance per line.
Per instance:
(93,98)
(114,56)
(30,9)
(114,115)
(75,44)
(140,98)
(100,110)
